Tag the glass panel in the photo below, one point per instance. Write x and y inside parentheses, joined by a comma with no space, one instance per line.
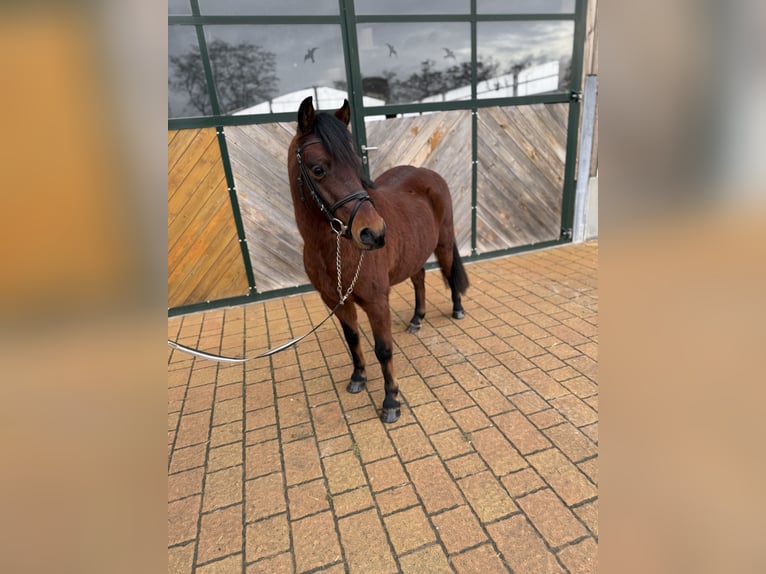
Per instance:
(270,69)
(187,87)
(419,62)
(525,6)
(268,7)
(524,58)
(370,7)
(179,7)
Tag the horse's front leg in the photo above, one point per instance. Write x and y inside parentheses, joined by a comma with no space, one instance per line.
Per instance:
(347,316)
(380,321)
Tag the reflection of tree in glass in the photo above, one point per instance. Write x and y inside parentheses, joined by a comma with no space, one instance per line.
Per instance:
(460,76)
(565,73)
(516,69)
(243,73)
(429,81)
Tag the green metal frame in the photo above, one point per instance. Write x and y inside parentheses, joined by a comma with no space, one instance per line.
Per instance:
(347,20)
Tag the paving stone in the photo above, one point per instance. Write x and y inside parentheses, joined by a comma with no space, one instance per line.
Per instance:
(220,534)
(307,498)
(557,524)
(522,434)
(409,529)
(386,473)
(267,537)
(265,496)
(580,558)
(483,559)
(433,484)
(351,501)
(410,442)
(459,529)
(486,496)
(182,519)
(430,560)
(313,549)
(301,459)
(343,472)
(365,545)
(563,476)
(522,548)
(222,488)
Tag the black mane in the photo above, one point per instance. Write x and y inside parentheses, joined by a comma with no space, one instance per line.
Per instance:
(338,142)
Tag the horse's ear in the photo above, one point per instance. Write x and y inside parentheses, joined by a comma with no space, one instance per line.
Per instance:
(343,113)
(306,116)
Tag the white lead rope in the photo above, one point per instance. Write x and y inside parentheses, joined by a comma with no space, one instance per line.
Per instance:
(282,347)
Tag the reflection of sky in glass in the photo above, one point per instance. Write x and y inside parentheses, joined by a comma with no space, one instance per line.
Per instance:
(411,44)
(514,42)
(370,7)
(525,6)
(533,56)
(268,7)
(177,7)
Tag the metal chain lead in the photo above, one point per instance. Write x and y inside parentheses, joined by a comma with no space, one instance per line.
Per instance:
(343,297)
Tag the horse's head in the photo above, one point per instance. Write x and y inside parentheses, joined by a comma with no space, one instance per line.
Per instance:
(328,173)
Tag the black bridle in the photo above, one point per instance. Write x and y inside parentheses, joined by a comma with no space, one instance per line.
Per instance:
(329,210)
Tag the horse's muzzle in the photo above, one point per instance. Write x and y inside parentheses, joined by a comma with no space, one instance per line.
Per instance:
(372,240)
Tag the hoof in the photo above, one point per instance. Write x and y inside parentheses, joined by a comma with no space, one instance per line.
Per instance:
(390,415)
(458,314)
(413,328)
(356,386)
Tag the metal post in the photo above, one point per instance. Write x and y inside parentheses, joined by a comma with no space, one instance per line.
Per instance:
(583,165)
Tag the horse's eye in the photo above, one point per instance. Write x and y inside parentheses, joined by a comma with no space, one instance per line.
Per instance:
(318,171)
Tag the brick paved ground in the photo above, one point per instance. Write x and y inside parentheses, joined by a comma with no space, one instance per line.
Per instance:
(492,466)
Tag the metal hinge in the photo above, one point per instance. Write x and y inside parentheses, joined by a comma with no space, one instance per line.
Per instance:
(566,233)
(575,96)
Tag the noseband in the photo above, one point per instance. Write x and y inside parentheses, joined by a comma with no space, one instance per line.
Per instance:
(328,210)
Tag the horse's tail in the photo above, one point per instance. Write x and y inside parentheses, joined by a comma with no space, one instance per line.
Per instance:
(458,277)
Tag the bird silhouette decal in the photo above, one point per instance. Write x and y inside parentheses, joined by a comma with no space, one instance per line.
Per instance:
(449,54)
(310,54)
(391,50)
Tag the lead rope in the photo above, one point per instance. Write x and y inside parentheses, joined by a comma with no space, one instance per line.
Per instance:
(220,358)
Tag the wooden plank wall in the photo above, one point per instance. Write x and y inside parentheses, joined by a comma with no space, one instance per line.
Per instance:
(204,256)
(521,155)
(258,156)
(439,141)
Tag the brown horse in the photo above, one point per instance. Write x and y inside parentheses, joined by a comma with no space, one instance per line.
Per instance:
(396,222)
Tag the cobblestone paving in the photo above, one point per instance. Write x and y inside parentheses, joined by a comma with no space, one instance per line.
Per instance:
(492,467)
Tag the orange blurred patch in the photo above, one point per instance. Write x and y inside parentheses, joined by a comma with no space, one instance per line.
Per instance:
(64,225)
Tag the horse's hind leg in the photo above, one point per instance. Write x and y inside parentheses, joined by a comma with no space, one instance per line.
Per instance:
(453,271)
(419,282)
(347,316)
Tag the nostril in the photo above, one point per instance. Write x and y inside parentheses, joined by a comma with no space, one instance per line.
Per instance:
(367,237)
